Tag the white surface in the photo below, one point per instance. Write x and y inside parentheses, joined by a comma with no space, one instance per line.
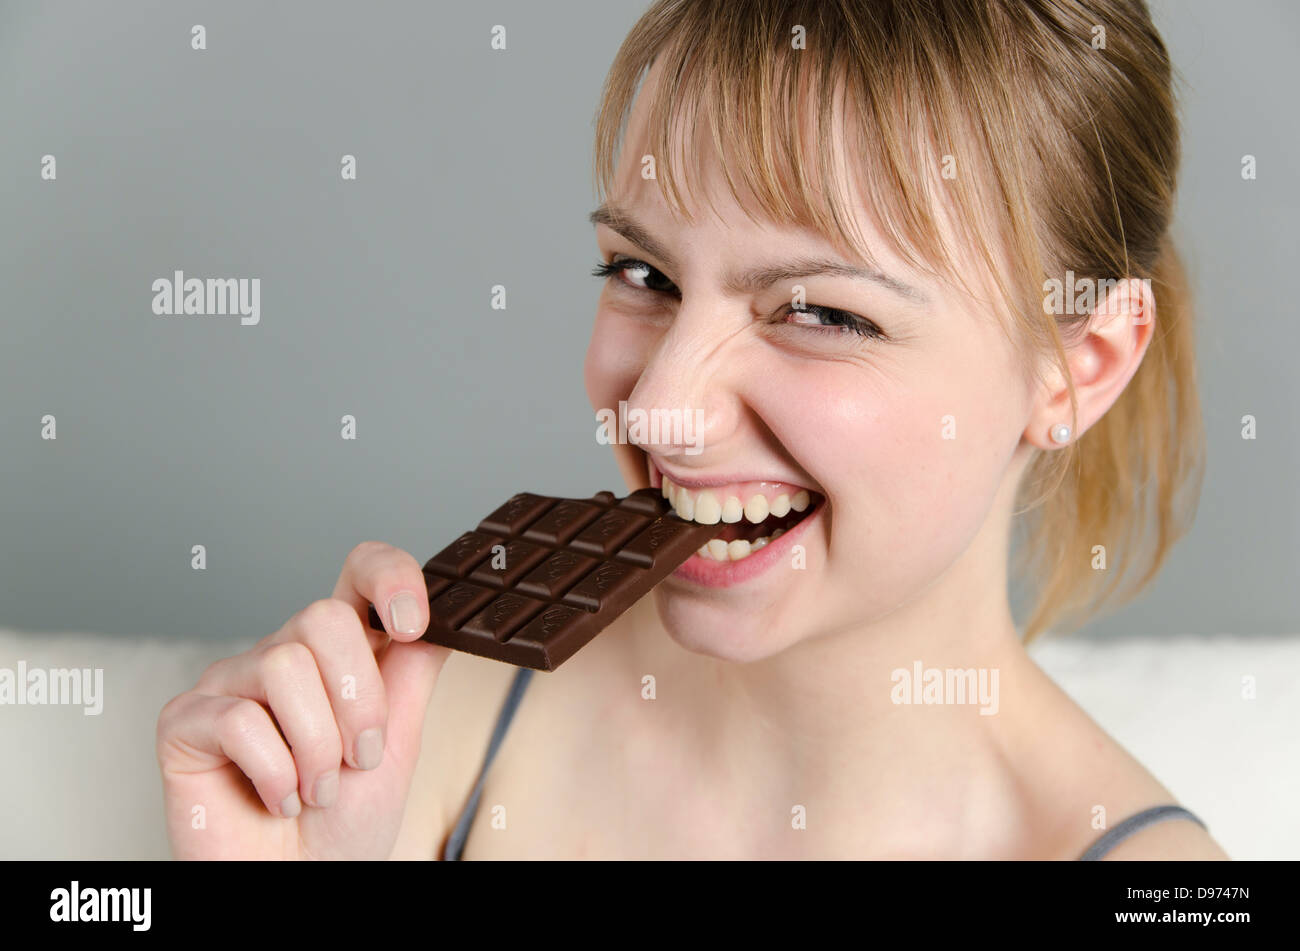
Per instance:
(87,787)
(1177,705)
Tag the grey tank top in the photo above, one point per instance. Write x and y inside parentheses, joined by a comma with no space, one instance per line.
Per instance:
(456,841)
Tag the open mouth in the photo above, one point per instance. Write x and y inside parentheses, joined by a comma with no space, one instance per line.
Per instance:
(749,515)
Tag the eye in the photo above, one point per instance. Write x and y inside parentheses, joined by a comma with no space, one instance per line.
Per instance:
(637,275)
(831,321)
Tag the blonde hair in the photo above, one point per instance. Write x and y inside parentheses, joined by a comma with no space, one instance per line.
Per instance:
(1065,150)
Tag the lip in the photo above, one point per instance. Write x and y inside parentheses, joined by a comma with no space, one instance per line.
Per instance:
(709,573)
(656,475)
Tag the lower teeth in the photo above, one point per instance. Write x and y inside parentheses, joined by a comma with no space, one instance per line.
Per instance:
(719,550)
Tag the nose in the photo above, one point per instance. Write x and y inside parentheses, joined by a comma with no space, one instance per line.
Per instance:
(688,387)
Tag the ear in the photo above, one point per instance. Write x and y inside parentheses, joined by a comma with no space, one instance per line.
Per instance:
(1102,361)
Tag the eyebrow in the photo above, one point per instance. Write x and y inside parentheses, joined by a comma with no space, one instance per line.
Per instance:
(758,278)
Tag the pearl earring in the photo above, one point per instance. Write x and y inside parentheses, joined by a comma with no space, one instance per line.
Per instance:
(1061,433)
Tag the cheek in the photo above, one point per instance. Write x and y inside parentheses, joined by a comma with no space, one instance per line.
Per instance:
(943,454)
(911,459)
(616,356)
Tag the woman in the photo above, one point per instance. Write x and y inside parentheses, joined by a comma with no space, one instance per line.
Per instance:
(908,263)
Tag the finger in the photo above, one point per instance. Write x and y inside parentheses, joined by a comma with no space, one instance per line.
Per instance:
(390,579)
(285,677)
(198,733)
(348,673)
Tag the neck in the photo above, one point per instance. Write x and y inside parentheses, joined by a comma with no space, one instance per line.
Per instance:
(833,699)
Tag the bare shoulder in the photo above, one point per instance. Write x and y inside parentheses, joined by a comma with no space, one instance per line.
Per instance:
(457,727)
(1078,782)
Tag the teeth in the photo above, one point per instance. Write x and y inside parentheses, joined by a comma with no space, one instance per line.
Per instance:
(718,550)
(707,509)
(731,512)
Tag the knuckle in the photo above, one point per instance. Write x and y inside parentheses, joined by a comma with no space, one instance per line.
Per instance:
(170,709)
(369,706)
(366,550)
(329,615)
(215,671)
(321,746)
(240,720)
(404,560)
(363,704)
(167,717)
(361,684)
(285,657)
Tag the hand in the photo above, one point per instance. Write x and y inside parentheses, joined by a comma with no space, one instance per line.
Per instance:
(304,746)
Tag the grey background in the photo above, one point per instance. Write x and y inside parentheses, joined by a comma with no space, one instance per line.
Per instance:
(473,170)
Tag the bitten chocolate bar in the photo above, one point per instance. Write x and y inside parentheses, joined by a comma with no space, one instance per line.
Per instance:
(540,576)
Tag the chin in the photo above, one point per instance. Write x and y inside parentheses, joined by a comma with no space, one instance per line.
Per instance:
(706,627)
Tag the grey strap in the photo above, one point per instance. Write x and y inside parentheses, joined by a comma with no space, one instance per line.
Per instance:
(456,841)
(1131,825)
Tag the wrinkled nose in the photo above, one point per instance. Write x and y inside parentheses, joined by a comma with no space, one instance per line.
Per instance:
(687,387)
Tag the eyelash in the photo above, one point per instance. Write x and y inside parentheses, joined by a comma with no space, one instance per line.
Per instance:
(840,320)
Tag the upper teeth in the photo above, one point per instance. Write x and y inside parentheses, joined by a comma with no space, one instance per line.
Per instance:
(709,507)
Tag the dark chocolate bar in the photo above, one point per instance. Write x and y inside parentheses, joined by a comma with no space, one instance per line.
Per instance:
(540,576)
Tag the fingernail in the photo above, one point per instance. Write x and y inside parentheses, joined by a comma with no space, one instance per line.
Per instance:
(291,806)
(327,790)
(370,748)
(404,613)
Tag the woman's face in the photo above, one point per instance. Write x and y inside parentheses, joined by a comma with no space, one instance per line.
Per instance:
(901,442)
